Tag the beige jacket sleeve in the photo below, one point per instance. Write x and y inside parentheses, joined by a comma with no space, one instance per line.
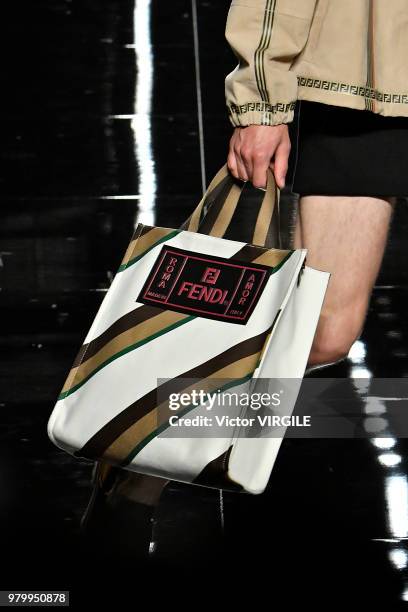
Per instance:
(265,36)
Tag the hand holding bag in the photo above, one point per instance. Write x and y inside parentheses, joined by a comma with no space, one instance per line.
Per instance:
(186,308)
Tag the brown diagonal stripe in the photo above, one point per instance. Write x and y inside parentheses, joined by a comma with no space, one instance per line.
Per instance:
(226,212)
(218,191)
(273,232)
(124,323)
(219,195)
(261,255)
(126,443)
(248,252)
(192,222)
(140,230)
(265,212)
(97,445)
(140,332)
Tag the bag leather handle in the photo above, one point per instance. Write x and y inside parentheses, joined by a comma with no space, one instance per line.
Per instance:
(216,209)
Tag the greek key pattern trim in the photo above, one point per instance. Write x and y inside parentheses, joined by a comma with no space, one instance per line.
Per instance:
(265,107)
(354,90)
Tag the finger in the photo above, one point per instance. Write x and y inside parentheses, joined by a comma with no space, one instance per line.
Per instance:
(260,173)
(281,164)
(272,167)
(242,171)
(247,161)
(232,164)
(242,152)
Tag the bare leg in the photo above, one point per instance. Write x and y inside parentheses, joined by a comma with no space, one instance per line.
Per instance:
(345,236)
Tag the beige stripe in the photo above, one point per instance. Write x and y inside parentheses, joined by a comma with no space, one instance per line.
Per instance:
(127,338)
(142,243)
(101,472)
(271,258)
(265,212)
(70,380)
(124,444)
(261,352)
(224,218)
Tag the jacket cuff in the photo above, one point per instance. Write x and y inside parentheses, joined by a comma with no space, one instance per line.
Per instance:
(261,113)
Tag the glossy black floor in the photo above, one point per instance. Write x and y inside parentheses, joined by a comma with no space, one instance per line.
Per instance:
(100,126)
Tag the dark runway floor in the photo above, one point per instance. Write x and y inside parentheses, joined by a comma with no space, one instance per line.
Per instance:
(104,123)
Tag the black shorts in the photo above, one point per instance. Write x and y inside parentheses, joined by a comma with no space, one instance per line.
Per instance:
(342,151)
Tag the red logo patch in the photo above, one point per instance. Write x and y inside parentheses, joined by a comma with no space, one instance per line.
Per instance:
(204,285)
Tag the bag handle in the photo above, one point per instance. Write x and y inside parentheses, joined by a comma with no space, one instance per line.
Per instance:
(216,209)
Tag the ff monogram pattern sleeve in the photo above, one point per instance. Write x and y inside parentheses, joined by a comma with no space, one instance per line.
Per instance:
(265,36)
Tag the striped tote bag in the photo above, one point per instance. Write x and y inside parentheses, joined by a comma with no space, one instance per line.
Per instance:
(193,312)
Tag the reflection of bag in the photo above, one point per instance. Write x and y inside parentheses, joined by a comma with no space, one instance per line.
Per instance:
(191,304)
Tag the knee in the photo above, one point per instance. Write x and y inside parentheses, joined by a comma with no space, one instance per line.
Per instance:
(333,341)
(323,352)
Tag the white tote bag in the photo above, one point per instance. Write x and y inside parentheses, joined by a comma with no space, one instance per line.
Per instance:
(189,308)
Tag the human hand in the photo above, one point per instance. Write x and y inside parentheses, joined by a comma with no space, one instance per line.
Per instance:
(251,150)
